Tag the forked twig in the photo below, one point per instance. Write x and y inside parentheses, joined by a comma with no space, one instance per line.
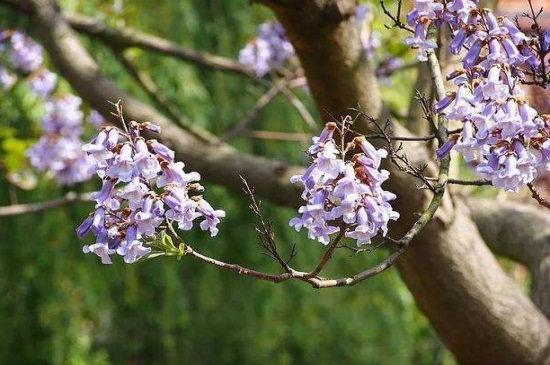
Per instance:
(536,195)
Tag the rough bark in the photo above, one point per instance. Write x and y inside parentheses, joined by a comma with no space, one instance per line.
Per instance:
(482,317)
(520,233)
(476,309)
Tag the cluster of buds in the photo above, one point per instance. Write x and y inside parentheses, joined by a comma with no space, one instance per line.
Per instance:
(502,137)
(339,190)
(143,189)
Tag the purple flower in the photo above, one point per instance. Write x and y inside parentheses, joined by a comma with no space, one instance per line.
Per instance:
(129,209)
(122,167)
(268,51)
(146,163)
(162,150)
(43,83)
(364,230)
(321,232)
(60,157)
(502,137)
(211,217)
(7,80)
(172,173)
(147,219)
(335,189)
(545,41)
(96,119)
(102,196)
(133,192)
(428,8)
(25,54)
(181,208)
(102,250)
(420,42)
(84,228)
(63,115)
(133,251)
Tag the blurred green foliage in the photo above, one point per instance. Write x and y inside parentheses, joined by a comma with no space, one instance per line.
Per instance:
(59,306)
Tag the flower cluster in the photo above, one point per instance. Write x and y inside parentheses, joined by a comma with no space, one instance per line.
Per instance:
(20,53)
(59,150)
(143,188)
(336,188)
(25,54)
(268,51)
(502,136)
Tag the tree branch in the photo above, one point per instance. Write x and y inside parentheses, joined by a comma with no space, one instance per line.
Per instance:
(521,233)
(19,209)
(300,107)
(127,37)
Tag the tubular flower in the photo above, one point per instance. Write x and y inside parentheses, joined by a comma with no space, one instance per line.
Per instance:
(502,138)
(336,188)
(143,188)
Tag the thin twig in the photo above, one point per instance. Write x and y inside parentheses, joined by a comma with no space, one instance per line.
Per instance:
(536,195)
(252,114)
(395,18)
(151,89)
(328,253)
(261,104)
(469,182)
(300,107)
(266,234)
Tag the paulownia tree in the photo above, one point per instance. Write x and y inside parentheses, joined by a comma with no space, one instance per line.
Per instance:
(444,243)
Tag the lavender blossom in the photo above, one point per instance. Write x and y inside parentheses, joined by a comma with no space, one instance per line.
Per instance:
(129,209)
(502,137)
(43,83)
(61,157)
(63,115)
(96,119)
(268,51)
(336,188)
(271,49)
(25,54)
(59,151)
(7,80)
